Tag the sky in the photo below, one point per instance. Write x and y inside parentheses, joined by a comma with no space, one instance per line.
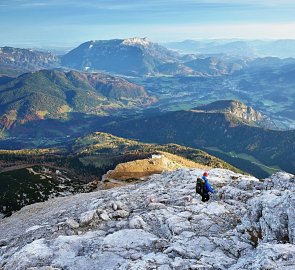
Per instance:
(67,23)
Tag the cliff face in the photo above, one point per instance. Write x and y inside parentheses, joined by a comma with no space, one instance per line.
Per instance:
(159,224)
(245,112)
(233,108)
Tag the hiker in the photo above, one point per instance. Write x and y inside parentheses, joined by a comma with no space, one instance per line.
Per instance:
(203,187)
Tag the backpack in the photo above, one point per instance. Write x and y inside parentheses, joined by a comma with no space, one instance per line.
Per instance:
(200,186)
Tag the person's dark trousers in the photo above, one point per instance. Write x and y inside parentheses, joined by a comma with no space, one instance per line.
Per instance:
(205,197)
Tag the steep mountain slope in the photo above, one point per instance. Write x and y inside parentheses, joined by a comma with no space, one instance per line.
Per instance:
(14,61)
(224,131)
(248,224)
(134,56)
(52,94)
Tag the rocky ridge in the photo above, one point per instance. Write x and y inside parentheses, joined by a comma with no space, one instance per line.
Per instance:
(159,224)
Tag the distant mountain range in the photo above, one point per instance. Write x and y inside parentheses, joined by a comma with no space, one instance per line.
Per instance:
(139,56)
(225,127)
(14,61)
(248,48)
(53,94)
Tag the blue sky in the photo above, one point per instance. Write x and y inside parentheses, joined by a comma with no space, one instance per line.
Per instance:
(33,23)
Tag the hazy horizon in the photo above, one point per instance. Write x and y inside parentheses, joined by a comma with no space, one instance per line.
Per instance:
(66,46)
(44,23)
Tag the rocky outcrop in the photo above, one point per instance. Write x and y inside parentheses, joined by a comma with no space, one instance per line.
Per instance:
(233,108)
(159,224)
(156,163)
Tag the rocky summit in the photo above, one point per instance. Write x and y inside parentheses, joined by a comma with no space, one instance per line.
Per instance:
(159,224)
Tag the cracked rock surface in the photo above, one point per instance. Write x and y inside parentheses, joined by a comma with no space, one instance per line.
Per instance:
(159,224)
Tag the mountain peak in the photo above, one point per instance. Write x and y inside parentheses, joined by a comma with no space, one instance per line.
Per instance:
(135,41)
(132,56)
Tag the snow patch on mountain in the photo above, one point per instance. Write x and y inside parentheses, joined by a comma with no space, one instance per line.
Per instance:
(159,224)
(136,41)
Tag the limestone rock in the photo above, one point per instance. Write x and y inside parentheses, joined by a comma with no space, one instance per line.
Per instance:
(120,214)
(138,223)
(72,223)
(104,216)
(87,217)
(247,224)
